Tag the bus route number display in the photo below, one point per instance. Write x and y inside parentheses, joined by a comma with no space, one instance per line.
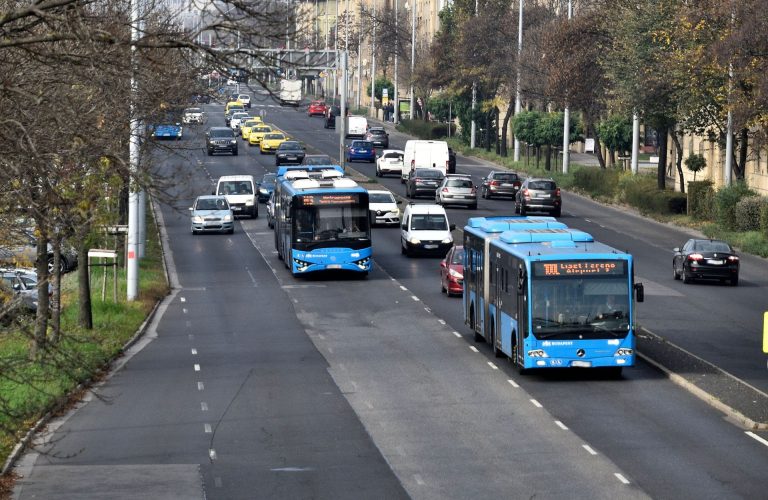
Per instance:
(330,199)
(580,268)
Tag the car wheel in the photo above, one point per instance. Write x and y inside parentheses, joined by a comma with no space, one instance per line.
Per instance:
(234,153)
(557,212)
(210,153)
(231,231)
(517,208)
(195,233)
(686,277)
(473,207)
(735,280)
(378,172)
(443,289)
(674,272)
(255,212)
(523,211)
(487,194)
(402,248)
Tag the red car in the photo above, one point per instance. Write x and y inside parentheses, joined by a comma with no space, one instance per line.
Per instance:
(317,108)
(452,271)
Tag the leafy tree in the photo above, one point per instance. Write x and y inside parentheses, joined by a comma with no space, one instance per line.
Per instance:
(616,134)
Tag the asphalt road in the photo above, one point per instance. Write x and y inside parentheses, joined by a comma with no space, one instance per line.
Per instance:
(252,384)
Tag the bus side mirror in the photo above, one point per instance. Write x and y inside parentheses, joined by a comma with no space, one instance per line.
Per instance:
(640,292)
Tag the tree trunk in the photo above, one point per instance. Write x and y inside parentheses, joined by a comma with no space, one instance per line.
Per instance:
(505,127)
(85,316)
(548,159)
(56,291)
(679,160)
(41,317)
(590,128)
(496,131)
(661,171)
(488,131)
(741,165)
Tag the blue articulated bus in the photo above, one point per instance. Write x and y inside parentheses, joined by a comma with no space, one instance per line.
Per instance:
(322,223)
(551,297)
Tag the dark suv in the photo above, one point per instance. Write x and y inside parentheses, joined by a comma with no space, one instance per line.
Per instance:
(500,184)
(221,140)
(538,195)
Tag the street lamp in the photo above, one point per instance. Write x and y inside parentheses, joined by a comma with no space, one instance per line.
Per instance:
(413,50)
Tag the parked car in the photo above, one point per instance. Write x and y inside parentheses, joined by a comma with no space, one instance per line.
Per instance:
(21,251)
(211,214)
(378,136)
(457,189)
(706,259)
(271,142)
(538,195)
(423,182)
(500,183)
(192,115)
(425,229)
(390,162)
(317,160)
(317,108)
(361,151)
(452,271)
(383,207)
(289,153)
(21,283)
(221,140)
(266,187)
(257,134)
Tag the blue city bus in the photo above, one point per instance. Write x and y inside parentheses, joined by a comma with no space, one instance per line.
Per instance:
(321,223)
(555,299)
(307,171)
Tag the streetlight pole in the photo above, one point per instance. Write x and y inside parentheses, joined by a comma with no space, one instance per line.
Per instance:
(518,104)
(413,51)
(359,58)
(132,264)
(397,49)
(473,126)
(567,120)
(373,63)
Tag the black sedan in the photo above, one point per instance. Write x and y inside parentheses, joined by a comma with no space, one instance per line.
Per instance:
(289,153)
(706,259)
(423,182)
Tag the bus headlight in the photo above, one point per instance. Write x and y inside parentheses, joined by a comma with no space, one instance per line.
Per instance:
(624,351)
(301,265)
(363,263)
(537,353)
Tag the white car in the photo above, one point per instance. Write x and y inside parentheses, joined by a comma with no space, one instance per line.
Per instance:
(237,119)
(425,229)
(245,99)
(192,115)
(383,207)
(390,162)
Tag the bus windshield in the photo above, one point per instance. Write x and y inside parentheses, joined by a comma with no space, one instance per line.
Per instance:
(577,307)
(331,223)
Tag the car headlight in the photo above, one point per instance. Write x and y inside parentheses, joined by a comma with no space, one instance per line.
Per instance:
(414,241)
(233,141)
(197,219)
(249,201)
(455,274)
(227,218)
(448,240)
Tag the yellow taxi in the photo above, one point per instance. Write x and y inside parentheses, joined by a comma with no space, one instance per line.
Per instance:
(234,104)
(245,127)
(271,142)
(257,134)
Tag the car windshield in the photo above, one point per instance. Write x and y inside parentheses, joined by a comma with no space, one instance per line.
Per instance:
(251,123)
(235,187)
(268,179)
(712,246)
(381,198)
(262,129)
(429,173)
(362,144)
(239,116)
(221,132)
(429,222)
(317,160)
(458,256)
(459,183)
(290,145)
(505,177)
(212,204)
(331,223)
(543,185)
(193,110)
(274,136)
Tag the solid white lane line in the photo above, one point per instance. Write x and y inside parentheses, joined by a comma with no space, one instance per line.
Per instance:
(200,386)
(621,478)
(757,438)
(203,406)
(251,275)
(473,348)
(536,403)
(197,368)
(513,383)
(457,334)
(194,352)
(561,425)
(321,336)
(415,298)
(208,429)
(589,449)
(494,367)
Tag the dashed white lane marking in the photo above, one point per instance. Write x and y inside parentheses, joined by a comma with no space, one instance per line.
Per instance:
(441,321)
(419,480)
(415,298)
(194,352)
(183,299)
(493,366)
(212,454)
(403,288)
(428,309)
(217,481)
(203,406)
(191,336)
(184,310)
(200,386)
(513,383)
(330,349)
(757,438)
(473,348)
(188,323)
(561,425)
(369,405)
(621,478)
(253,279)
(536,403)
(457,334)
(197,368)
(207,428)
(321,336)
(589,449)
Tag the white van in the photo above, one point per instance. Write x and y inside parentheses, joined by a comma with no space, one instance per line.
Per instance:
(357,126)
(240,193)
(424,228)
(424,154)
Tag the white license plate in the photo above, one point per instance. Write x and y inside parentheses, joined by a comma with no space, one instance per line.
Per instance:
(430,247)
(506,185)
(715,262)
(581,364)
(236,209)
(333,266)
(542,196)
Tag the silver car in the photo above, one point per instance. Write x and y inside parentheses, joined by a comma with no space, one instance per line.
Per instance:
(212,213)
(457,190)
(23,284)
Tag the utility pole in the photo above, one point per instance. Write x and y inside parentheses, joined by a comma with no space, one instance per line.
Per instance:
(518,104)
(397,50)
(343,127)
(473,126)
(413,51)
(567,120)
(359,57)
(635,141)
(132,259)
(373,64)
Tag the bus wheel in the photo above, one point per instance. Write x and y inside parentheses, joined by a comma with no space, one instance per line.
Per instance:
(496,351)
(613,372)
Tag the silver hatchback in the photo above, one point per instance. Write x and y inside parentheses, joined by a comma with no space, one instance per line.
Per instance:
(457,190)
(212,214)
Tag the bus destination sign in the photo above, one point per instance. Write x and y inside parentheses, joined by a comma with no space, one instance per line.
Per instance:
(580,268)
(330,199)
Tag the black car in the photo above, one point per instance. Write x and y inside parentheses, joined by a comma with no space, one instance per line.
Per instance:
(706,259)
(318,160)
(289,153)
(500,184)
(378,136)
(221,140)
(423,182)
(538,195)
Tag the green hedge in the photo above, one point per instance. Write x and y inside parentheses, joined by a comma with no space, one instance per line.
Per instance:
(748,212)
(424,130)
(726,199)
(701,202)
(640,191)
(764,219)
(597,181)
